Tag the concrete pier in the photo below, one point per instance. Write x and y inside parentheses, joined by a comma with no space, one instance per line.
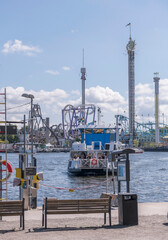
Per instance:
(153,224)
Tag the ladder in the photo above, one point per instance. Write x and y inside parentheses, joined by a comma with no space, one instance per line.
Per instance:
(3,120)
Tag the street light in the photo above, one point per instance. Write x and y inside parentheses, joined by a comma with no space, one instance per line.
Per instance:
(31,116)
(30,203)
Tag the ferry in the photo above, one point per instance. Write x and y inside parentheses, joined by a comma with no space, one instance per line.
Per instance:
(92,156)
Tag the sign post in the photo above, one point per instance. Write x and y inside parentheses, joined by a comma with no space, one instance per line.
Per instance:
(30,171)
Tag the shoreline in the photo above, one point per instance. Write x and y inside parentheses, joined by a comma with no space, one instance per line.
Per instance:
(152,216)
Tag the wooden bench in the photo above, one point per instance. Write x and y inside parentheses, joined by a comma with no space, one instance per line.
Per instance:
(13,208)
(76,206)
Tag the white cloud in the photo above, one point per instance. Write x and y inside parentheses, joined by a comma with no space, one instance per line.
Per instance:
(145,101)
(106,95)
(17,46)
(65,68)
(111,102)
(52,102)
(145,89)
(75,92)
(52,72)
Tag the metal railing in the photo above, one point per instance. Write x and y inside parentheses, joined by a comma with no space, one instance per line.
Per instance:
(92,163)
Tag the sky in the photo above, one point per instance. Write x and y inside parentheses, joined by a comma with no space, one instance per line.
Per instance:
(41,44)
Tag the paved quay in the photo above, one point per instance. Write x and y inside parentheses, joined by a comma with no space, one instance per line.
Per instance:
(153,224)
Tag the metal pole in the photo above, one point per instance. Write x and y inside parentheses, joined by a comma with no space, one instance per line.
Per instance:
(119,186)
(119,182)
(128,172)
(6,146)
(0,182)
(22,161)
(113,179)
(32,131)
(106,174)
(24,129)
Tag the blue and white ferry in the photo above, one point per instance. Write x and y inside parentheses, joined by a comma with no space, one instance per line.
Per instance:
(92,156)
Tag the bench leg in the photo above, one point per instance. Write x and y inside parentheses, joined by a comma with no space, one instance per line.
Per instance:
(20,221)
(23,221)
(45,220)
(110,218)
(104,218)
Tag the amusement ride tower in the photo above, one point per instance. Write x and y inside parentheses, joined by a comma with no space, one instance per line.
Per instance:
(156,81)
(83,77)
(131,85)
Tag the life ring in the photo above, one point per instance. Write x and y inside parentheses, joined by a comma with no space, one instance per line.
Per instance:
(10,170)
(94,161)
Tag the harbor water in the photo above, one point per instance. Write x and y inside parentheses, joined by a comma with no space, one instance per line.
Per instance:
(148,172)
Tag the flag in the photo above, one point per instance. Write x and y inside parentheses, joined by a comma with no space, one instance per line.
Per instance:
(128,24)
(82,120)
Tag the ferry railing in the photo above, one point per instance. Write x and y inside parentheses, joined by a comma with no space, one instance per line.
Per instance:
(92,163)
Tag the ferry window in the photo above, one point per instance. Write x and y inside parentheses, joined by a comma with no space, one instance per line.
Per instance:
(98,130)
(86,130)
(83,155)
(108,131)
(73,154)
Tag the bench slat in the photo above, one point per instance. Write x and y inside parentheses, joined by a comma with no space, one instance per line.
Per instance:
(77,212)
(79,209)
(76,200)
(10,210)
(11,214)
(8,206)
(80,205)
(11,203)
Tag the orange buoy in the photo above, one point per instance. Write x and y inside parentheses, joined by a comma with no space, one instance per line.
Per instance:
(9,168)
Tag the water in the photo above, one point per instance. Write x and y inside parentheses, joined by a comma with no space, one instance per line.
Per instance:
(149,178)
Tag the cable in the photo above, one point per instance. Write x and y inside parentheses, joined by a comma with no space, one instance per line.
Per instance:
(73,189)
(16,107)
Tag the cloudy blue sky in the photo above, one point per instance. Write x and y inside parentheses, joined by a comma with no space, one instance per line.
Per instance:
(41,46)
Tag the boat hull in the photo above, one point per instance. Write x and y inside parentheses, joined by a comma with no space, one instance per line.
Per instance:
(85,172)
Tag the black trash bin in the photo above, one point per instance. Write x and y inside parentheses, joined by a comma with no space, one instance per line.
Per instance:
(127,209)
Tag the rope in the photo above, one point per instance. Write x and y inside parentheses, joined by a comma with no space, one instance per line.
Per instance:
(73,189)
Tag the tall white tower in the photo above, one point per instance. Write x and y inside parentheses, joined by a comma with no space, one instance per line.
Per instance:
(83,77)
(131,85)
(156,81)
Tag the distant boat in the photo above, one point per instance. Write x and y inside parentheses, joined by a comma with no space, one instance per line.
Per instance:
(19,147)
(91,156)
(85,160)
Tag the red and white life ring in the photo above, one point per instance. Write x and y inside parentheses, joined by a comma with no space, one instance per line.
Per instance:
(94,161)
(10,170)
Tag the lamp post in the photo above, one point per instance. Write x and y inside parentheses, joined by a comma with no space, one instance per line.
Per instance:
(32,197)
(31,116)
